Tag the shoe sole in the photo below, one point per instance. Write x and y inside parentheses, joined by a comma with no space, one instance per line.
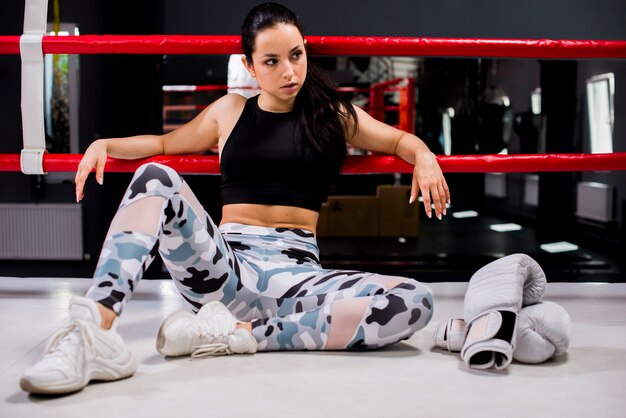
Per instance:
(123,367)
(161,340)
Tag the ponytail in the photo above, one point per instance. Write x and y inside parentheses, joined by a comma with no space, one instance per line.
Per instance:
(324,117)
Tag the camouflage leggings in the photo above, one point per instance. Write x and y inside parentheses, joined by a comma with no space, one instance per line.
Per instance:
(270,276)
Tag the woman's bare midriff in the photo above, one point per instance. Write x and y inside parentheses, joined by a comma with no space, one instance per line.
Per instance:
(270,216)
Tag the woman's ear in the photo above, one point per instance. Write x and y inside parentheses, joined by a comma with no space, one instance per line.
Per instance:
(250,68)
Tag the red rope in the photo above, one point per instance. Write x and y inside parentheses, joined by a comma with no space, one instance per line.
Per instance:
(328,45)
(209,164)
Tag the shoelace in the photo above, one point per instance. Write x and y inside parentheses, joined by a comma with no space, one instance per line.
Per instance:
(212,349)
(218,345)
(65,333)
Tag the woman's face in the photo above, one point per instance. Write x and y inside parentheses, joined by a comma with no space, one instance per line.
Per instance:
(279,62)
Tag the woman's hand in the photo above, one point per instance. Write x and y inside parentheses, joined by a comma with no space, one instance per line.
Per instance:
(376,136)
(94,157)
(429,180)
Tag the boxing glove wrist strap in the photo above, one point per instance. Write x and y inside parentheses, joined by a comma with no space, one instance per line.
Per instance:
(490,340)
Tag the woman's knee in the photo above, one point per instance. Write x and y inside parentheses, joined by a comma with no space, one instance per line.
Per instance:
(154,179)
(424,300)
(157,171)
(418,300)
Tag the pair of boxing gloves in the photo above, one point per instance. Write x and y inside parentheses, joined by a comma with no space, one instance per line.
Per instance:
(505,317)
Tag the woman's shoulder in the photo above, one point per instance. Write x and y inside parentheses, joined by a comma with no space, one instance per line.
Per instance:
(231,101)
(225,111)
(223,108)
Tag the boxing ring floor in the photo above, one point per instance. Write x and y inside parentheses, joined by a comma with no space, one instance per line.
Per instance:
(408,379)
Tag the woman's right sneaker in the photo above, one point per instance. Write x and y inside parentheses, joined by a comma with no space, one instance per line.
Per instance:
(78,353)
(213,331)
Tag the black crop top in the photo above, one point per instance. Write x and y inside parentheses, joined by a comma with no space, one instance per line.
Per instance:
(265,161)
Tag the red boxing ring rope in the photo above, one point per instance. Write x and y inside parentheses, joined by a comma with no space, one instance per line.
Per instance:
(328,45)
(371,164)
(336,45)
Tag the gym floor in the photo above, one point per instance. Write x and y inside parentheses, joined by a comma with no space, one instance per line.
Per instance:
(410,378)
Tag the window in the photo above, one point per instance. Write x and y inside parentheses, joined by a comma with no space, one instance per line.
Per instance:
(61,97)
(445,139)
(600,92)
(535,101)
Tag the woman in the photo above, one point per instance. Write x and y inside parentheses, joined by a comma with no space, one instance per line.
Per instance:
(255,282)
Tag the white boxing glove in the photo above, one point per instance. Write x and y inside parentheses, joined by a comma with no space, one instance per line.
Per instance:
(493,299)
(542,332)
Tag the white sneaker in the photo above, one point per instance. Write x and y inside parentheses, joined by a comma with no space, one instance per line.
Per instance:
(213,331)
(78,353)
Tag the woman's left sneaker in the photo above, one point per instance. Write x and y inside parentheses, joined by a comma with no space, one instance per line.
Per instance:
(213,331)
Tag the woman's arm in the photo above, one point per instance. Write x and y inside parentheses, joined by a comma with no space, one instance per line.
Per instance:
(373,135)
(197,135)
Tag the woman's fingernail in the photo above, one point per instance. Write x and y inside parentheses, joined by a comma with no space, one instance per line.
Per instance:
(99,180)
(444,211)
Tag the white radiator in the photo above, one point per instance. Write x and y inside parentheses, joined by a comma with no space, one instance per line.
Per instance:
(41,232)
(594,201)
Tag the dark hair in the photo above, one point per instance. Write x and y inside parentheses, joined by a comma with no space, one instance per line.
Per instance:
(322,114)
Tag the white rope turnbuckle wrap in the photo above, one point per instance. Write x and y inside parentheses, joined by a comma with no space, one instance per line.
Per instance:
(31,51)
